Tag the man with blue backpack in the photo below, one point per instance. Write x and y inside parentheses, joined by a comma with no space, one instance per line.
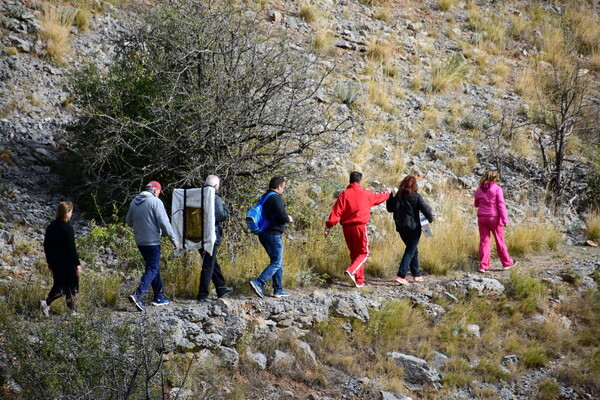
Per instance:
(273,212)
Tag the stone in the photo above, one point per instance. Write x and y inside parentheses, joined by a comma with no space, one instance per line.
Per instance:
(485,286)
(258,359)
(228,357)
(439,360)
(352,306)
(473,330)
(392,396)
(306,352)
(276,16)
(282,361)
(416,370)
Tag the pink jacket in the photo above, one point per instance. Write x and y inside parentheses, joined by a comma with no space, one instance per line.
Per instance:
(490,202)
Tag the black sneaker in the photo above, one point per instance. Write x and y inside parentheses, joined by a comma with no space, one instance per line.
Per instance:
(205,300)
(224,291)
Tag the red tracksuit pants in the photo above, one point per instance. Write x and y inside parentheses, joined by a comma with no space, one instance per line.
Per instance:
(358,244)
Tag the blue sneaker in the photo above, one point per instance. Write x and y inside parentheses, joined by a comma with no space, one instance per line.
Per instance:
(257,288)
(137,303)
(281,293)
(160,302)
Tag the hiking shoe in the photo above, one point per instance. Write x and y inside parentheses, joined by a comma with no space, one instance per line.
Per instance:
(160,302)
(514,263)
(361,285)
(44,308)
(281,293)
(205,300)
(350,277)
(418,278)
(257,288)
(224,292)
(402,281)
(137,303)
(482,270)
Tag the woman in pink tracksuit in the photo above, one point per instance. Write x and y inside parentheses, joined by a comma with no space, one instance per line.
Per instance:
(491,217)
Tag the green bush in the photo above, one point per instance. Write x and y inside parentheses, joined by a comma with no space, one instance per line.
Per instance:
(91,356)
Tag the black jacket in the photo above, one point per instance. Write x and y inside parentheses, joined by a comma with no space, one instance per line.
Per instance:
(274,212)
(417,203)
(59,246)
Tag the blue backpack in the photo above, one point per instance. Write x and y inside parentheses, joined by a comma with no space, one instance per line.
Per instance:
(255,220)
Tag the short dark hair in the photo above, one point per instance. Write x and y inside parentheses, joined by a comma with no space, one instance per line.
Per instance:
(355,176)
(276,181)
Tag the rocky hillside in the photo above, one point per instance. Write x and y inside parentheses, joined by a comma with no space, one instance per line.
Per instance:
(439,89)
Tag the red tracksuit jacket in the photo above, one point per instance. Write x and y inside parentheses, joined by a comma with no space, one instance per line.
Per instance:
(353,205)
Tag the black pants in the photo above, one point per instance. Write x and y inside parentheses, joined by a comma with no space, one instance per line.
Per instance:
(211,271)
(66,282)
(410,259)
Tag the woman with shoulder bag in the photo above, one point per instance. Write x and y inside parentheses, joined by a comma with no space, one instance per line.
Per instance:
(406,205)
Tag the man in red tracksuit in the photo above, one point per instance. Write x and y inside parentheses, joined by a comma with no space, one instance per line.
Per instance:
(353,210)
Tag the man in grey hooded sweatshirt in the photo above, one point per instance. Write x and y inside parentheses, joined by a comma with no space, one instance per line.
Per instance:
(148,217)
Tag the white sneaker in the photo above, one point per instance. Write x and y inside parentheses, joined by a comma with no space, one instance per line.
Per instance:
(350,278)
(44,308)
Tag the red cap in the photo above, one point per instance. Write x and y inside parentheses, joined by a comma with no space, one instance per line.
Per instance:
(156,185)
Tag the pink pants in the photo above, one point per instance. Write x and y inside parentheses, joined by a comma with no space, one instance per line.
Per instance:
(358,244)
(487,225)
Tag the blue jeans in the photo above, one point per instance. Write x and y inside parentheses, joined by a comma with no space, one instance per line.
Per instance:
(151,276)
(411,253)
(274,247)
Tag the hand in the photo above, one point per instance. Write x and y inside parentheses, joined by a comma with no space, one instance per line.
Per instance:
(290,218)
(388,190)
(326,232)
(78,270)
(176,245)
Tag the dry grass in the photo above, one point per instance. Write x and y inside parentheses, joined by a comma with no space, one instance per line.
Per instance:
(81,19)
(592,223)
(445,5)
(595,60)
(56,25)
(309,12)
(322,42)
(522,239)
(380,50)
(384,14)
(449,75)
(525,83)
(379,95)
(454,244)
(586,26)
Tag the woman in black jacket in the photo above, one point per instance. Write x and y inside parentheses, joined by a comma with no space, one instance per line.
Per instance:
(406,205)
(62,258)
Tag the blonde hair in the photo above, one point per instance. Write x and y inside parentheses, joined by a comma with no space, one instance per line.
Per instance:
(63,209)
(489,176)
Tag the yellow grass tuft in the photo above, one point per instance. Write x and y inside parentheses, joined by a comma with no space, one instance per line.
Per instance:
(592,224)
(309,12)
(56,26)
(454,244)
(380,50)
(81,19)
(449,74)
(446,4)
(522,239)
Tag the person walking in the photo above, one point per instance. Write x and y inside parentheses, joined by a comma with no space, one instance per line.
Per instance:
(352,210)
(406,205)
(148,217)
(270,238)
(491,218)
(62,258)
(211,270)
